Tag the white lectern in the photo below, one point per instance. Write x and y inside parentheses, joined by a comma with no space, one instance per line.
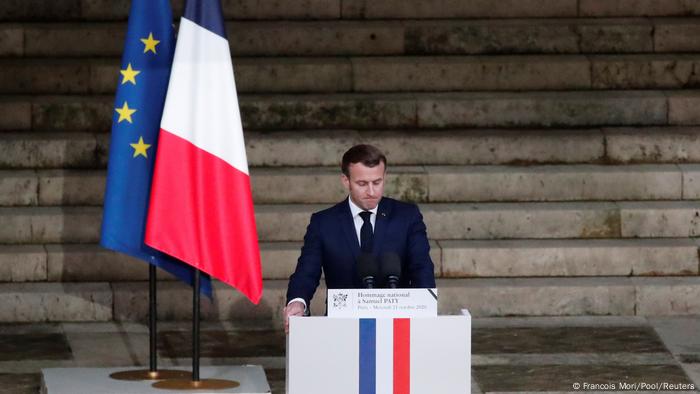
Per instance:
(379,355)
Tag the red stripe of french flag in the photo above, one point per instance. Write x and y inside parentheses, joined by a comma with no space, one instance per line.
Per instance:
(402,356)
(201,208)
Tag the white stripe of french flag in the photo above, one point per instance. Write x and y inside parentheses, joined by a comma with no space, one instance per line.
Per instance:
(201,207)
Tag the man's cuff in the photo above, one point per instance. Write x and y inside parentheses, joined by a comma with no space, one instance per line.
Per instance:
(300,300)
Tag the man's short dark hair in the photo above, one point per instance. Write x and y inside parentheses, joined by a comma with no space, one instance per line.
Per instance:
(365,154)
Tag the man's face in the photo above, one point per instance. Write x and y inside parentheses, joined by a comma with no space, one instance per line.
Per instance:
(365,184)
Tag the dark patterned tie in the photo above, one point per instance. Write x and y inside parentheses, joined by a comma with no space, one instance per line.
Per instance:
(366,233)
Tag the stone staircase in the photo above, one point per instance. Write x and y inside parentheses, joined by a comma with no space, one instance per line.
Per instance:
(553,146)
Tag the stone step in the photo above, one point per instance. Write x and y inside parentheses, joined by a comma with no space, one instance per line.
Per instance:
(417,184)
(287,222)
(311,148)
(382,37)
(568,258)
(452,259)
(95,10)
(381,74)
(54,150)
(128,301)
(32,10)
(391,110)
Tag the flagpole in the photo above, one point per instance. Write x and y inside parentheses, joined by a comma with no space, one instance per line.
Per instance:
(152,319)
(152,373)
(196,383)
(195,327)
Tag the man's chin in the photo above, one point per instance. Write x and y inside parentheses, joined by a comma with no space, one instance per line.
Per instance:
(370,205)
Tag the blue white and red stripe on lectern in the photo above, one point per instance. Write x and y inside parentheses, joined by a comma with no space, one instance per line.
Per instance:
(201,206)
(384,356)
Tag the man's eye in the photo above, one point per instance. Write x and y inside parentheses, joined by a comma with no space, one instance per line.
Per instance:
(362,183)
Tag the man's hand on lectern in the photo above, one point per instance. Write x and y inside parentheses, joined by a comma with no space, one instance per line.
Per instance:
(294,308)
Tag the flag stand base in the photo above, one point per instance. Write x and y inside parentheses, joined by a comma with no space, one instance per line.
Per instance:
(145,374)
(204,384)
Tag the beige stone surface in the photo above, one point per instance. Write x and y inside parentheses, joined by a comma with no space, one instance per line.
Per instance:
(691,181)
(303,75)
(18,188)
(660,219)
(93,263)
(323,185)
(607,8)
(302,148)
(284,222)
(105,9)
(645,71)
(104,39)
(653,145)
(521,220)
(452,147)
(15,10)
(279,259)
(566,109)
(16,115)
(616,36)
(470,73)
(41,302)
(104,76)
(416,9)
(47,150)
(69,113)
(22,263)
(11,40)
(290,38)
(50,224)
(537,296)
(466,147)
(71,187)
(682,108)
(131,302)
(281,9)
(484,37)
(327,111)
(676,35)
(567,258)
(554,183)
(667,296)
(50,77)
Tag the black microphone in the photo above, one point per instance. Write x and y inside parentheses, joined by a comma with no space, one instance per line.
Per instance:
(368,270)
(391,269)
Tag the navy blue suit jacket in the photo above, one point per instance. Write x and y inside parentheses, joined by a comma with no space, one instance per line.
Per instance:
(331,245)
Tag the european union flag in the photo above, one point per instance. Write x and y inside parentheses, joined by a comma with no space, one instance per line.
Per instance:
(143,83)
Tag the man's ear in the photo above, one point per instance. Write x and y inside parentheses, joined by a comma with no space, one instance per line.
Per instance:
(345,180)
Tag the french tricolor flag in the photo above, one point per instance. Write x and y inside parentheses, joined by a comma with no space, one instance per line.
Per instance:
(201,207)
(384,356)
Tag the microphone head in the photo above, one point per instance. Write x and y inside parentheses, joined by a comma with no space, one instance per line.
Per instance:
(391,265)
(367,266)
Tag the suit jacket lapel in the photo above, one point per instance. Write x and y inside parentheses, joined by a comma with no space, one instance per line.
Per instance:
(348,226)
(381,224)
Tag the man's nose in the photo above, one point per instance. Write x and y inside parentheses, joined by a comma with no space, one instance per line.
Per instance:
(370,190)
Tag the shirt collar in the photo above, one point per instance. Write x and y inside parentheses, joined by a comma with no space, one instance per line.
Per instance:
(355,210)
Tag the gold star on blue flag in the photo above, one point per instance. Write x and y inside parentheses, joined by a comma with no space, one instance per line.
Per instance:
(131,159)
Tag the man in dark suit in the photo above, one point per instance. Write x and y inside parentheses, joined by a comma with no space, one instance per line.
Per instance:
(365,222)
